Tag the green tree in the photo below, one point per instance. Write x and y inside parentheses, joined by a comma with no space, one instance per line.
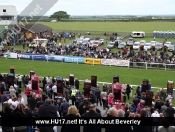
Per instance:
(60,15)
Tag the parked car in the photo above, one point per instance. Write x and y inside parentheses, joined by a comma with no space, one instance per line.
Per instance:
(136,45)
(92,40)
(167,44)
(121,45)
(53,21)
(111,45)
(143,42)
(118,41)
(159,46)
(86,41)
(96,44)
(101,41)
(153,43)
(171,48)
(147,46)
(79,41)
(39,42)
(130,41)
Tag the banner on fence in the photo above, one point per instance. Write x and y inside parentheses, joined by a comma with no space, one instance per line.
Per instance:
(54,58)
(11,55)
(25,56)
(115,62)
(92,61)
(73,59)
(39,57)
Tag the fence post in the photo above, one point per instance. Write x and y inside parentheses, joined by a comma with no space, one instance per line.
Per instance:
(77,61)
(165,67)
(146,65)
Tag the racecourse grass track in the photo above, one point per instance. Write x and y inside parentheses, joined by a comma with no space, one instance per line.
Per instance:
(147,27)
(158,78)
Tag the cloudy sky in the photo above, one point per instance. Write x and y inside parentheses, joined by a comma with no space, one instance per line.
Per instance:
(104,7)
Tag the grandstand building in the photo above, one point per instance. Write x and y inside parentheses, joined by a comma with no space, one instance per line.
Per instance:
(8,15)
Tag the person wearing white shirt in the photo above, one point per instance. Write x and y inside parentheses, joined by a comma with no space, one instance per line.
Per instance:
(19,80)
(10,101)
(48,79)
(155,120)
(54,88)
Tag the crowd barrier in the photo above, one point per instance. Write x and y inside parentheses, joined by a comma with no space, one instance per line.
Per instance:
(91,61)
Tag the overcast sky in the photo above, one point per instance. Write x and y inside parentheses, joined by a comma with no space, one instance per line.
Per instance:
(104,7)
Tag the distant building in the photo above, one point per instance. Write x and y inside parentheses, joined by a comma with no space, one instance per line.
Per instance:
(34,30)
(8,15)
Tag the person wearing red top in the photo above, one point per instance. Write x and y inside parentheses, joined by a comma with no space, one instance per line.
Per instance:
(124,49)
(27,92)
(110,100)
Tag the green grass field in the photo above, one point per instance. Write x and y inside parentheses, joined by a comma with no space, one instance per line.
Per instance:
(133,76)
(147,27)
(105,73)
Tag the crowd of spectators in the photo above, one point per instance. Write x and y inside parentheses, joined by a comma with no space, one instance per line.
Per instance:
(73,104)
(56,46)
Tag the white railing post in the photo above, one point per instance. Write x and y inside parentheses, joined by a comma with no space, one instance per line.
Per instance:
(165,67)
(77,61)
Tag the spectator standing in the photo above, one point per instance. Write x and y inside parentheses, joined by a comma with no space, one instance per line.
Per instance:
(2,88)
(72,113)
(73,93)
(133,107)
(19,81)
(44,82)
(47,110)
(12,91)
(92,98)
(140,106)
(110,100)
(104,97)
(54,88)
(67,94)
(92,113)
(143,113)
(78,98)
(3,97)
(98,95)
(21,112)
(128,90)
(120,113)
(64,107)
(155,120)
(163,109)
(163,94)
(170,111)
